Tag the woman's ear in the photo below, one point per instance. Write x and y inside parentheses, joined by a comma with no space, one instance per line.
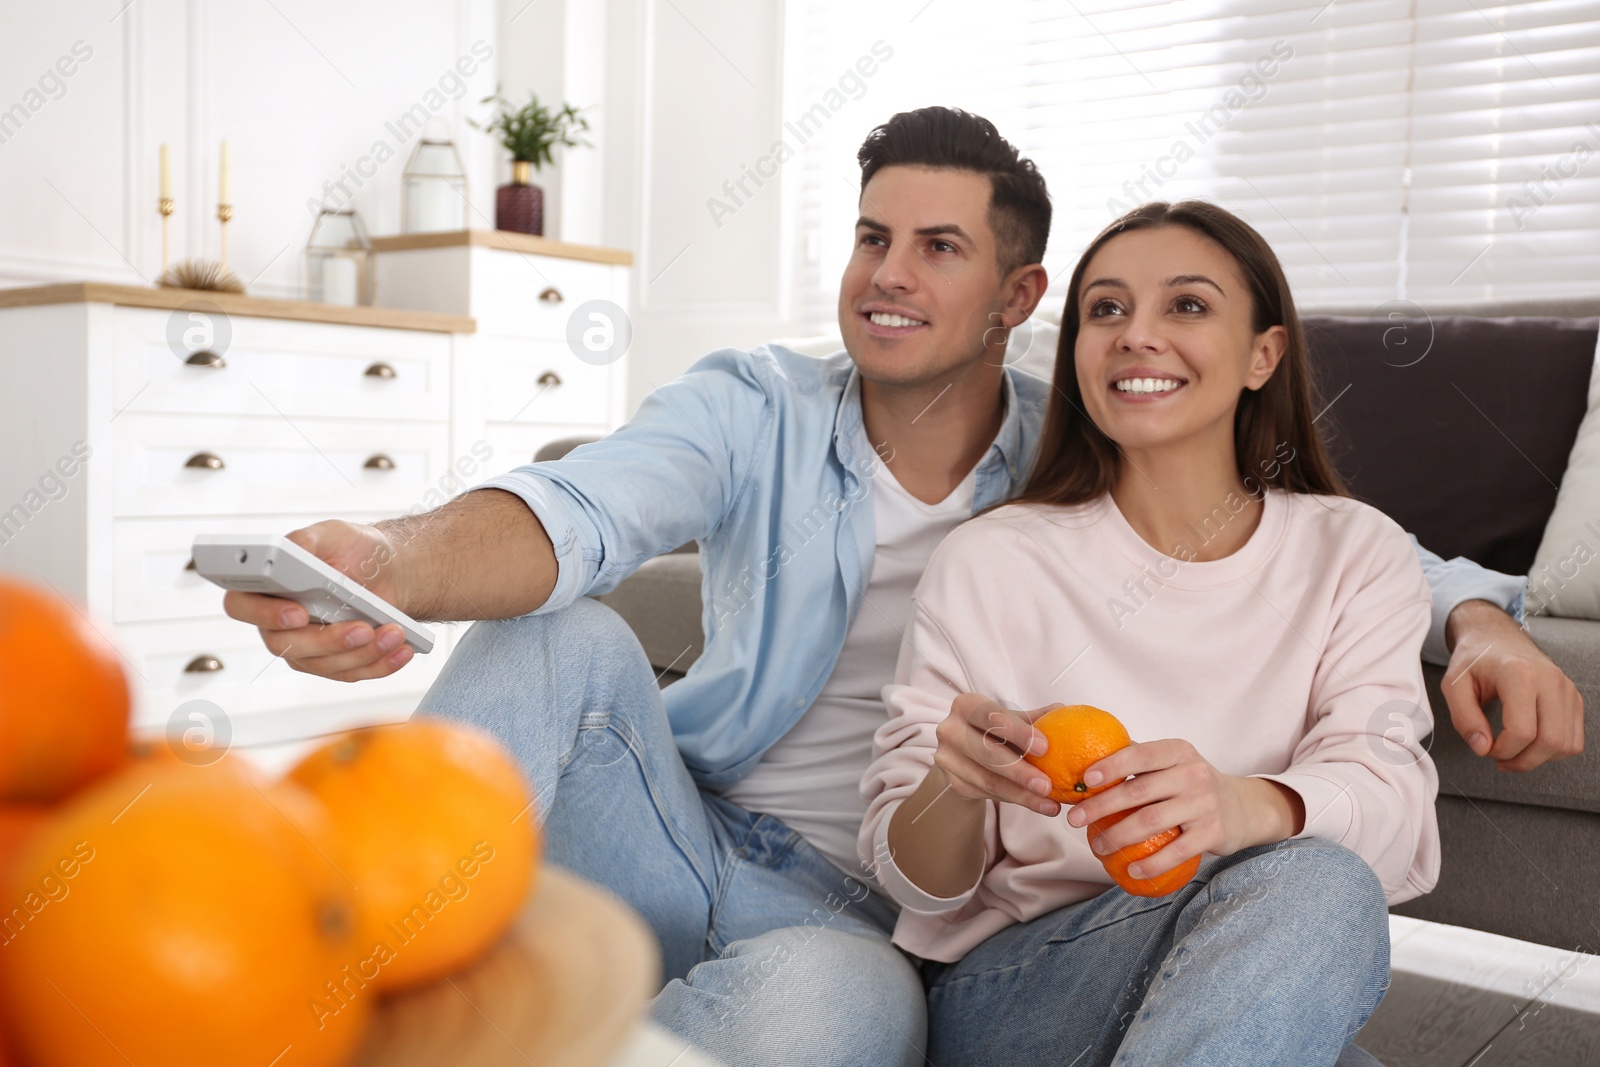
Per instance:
(1266,351)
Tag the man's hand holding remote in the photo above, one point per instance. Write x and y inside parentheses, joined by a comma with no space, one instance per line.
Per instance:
(483,555)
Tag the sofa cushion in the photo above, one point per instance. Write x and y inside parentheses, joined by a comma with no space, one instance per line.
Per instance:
(1565,579)
(1458,428)
(661,602)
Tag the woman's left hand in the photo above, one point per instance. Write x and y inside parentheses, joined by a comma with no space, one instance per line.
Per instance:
(1176,787)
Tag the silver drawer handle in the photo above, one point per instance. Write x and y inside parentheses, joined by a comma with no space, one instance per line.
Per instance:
(379,462)
(206,358)
(206,460)
(552,295)
(380,370)
(549,377)
(190,565)
(203,665)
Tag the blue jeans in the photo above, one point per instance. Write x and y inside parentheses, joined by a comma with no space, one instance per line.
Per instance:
(1274,955)
(771,954)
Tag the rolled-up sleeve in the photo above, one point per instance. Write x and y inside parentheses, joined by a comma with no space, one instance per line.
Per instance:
(1452,582)
(667,477)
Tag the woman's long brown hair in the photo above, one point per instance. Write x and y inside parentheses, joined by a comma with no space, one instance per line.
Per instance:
(1275,444)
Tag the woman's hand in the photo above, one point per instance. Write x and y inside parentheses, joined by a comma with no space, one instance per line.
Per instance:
(981,746)
(1176,787)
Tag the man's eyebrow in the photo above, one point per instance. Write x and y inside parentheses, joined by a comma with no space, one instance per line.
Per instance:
(926,231)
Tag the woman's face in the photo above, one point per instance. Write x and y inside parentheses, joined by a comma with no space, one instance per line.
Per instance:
(1165,342)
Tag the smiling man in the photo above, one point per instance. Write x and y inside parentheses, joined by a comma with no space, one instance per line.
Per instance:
(725,808)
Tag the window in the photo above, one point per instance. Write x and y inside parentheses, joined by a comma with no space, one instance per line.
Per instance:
(1419,149)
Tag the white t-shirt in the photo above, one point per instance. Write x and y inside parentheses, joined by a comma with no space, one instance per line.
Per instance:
(811,778)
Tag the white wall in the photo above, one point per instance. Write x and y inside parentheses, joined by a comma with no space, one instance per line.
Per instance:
(682,97)
(303,90)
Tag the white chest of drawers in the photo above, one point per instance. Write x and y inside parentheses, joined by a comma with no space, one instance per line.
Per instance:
(128,425)
(527,376)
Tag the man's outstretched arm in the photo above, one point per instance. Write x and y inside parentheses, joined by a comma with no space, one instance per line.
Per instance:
(1478,637)
(483,555)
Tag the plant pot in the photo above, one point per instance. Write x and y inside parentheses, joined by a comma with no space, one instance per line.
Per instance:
(519,205)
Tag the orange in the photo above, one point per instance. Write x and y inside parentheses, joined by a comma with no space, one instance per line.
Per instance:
(1079,737)
(63,697)
(440,835)
(18,823)
(1118,862)
(182,916)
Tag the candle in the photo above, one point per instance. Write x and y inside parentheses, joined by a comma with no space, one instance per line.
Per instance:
(223,184)
(166,174)
(433,206)
(339,281)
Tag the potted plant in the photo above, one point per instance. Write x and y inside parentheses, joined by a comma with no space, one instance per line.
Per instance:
(530,133)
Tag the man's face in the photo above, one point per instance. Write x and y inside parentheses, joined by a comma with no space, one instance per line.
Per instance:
(923,283)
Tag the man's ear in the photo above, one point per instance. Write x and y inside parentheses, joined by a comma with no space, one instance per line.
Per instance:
(1024,287)
(1266,352)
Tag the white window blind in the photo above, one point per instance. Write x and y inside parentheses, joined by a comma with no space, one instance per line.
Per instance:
(1424,149)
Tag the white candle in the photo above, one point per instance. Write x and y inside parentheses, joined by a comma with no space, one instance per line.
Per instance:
(339,281)
(224,185)
(166,174)
(434,206)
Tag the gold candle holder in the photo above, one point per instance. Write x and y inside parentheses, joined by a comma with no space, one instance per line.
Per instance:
(166,206)
(224,216)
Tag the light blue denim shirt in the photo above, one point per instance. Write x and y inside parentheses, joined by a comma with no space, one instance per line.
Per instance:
(761,457)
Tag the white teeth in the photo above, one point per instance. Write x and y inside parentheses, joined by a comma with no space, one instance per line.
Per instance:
(1146,385)
(883,318)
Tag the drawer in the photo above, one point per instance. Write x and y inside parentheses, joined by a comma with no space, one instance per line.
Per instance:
(223,661)
(534,296)
(269,366)
(149,576)
(530,380)
(193,465)
(515,445)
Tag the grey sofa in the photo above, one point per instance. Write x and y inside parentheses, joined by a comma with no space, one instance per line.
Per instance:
(1521,852)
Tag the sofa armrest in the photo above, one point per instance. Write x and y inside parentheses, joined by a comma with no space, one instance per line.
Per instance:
(1574,646)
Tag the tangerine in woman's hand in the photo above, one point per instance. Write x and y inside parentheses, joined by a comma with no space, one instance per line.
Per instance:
(1079,737)
(1118,862)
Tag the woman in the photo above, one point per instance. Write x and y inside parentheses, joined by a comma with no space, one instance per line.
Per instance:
(1183,556)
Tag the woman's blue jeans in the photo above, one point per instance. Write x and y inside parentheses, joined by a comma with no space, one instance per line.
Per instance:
(771,954)
(1273,955)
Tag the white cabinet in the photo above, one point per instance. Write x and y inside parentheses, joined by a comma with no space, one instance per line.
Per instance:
(129,425)
(548,359)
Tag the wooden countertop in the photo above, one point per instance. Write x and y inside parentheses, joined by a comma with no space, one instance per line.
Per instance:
(503,239)
(235,304)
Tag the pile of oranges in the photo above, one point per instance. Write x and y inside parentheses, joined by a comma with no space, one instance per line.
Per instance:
(1080,736)
(155,911)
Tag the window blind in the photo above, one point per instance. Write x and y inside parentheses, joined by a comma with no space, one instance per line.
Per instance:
(1416,149)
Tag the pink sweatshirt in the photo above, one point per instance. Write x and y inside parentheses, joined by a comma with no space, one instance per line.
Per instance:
(1296,659)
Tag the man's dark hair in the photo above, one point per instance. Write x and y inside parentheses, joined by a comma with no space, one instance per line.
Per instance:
(947,137)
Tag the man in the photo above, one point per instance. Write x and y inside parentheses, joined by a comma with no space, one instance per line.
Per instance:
(724,808)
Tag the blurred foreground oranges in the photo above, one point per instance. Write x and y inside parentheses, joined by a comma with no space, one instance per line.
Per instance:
(181,915)
(1080,736)
(63,697)
(440,835)
(153,911)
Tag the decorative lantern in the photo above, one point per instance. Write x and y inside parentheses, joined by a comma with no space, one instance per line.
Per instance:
(435,185)
(339,259)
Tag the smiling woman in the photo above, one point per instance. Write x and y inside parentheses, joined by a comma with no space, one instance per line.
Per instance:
(1285,635)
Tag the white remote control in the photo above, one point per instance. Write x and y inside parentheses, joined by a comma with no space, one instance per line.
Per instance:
(276,566)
